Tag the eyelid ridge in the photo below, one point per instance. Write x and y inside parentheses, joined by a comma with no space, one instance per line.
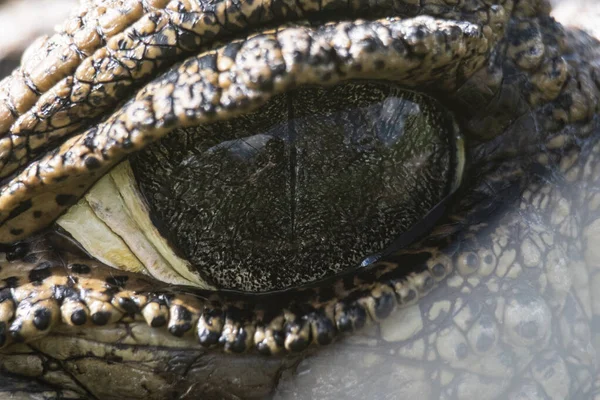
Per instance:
(195,93)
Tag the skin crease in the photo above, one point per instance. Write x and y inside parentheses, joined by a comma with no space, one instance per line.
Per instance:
(521,323)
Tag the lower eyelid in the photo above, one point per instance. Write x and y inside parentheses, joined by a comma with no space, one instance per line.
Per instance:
(284,321)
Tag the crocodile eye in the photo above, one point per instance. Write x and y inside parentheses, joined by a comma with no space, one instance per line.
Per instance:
(317,181)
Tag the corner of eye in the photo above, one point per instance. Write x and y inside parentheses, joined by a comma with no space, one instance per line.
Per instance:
(112,224)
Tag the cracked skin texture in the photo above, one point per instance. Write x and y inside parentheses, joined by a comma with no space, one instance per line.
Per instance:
(499,300)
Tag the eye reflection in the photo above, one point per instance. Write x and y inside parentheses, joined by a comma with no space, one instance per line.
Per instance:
(317,181)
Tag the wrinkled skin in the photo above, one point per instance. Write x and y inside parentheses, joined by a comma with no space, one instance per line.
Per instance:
(513,316)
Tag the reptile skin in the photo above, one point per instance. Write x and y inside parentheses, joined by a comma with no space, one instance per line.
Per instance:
(498,300)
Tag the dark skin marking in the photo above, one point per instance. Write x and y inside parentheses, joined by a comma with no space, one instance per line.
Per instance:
(80,268)
(41,272)
(65,199)
(79,317)
(101,318)
(42,318)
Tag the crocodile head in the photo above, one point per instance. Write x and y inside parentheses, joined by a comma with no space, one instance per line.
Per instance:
(301,199)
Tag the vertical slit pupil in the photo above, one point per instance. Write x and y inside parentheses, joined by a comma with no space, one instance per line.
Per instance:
(306,187)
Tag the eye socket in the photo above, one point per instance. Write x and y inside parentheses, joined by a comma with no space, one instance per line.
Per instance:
(318,181)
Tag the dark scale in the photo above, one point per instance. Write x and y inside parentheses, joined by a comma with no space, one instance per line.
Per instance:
(308,186)
(101,317)
(158,321)
(42,318)
(79,317)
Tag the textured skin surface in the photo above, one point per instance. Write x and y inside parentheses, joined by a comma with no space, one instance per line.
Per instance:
(515,307)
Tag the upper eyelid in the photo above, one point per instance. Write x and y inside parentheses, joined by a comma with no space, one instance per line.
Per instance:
(105,52)
(297,56)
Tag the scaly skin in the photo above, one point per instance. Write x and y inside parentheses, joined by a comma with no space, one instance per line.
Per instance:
(497,301)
